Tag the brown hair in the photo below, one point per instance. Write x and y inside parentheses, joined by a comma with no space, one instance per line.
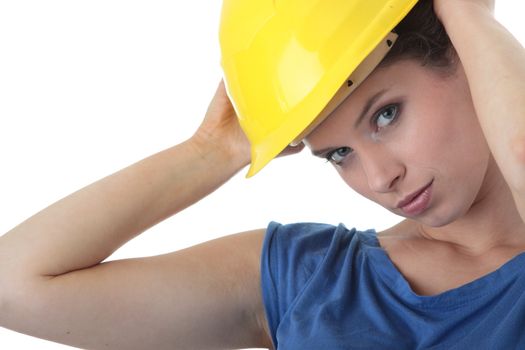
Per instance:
(422,37)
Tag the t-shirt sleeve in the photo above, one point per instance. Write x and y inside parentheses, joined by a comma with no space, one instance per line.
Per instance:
(290,257)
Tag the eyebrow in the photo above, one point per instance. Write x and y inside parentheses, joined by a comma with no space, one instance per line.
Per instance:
(368,105)
(371,101)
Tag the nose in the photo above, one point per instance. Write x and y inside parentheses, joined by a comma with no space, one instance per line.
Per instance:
(382,169)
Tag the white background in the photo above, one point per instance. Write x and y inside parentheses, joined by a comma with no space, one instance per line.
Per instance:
(89,87)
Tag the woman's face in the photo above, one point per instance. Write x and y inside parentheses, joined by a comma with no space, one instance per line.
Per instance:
(406,129)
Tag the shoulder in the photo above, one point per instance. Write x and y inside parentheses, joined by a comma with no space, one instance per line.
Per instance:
(305,242)
(293,254)
(299,259)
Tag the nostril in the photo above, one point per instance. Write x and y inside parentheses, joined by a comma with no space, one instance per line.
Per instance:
(392,184)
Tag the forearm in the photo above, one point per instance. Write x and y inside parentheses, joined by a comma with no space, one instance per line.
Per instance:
(85,227)
(494,62)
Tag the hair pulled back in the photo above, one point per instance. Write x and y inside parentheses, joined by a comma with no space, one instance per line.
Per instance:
(422,37)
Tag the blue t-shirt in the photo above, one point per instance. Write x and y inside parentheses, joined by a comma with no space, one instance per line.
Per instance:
(328,287)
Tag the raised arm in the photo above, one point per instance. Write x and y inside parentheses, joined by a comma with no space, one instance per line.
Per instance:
(87,226)
(494,62)
(54,286)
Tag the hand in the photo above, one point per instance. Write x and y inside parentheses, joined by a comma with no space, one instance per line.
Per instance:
(221,127)
(442,6)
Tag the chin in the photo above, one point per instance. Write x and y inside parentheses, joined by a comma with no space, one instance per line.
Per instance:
(433,218)
(435,222)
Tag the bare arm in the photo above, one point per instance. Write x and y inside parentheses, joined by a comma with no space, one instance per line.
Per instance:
(121,206)
(54,286)
(93,222)
(494,62)
(203,297)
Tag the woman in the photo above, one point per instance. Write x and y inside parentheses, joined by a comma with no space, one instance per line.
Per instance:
(430,149)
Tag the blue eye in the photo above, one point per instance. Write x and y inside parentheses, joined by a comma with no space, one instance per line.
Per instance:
(337,156)
(386,116)
(381,119)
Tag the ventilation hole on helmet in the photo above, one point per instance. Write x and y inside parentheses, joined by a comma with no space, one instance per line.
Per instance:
(350,83)
(389,43)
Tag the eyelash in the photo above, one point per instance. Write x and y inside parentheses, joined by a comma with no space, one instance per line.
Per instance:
(373,122)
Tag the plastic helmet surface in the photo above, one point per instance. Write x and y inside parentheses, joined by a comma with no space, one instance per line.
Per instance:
(289,63)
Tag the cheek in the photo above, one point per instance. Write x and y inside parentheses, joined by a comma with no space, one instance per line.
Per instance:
(441,136)
(356,179)
(463,142)
(454,150)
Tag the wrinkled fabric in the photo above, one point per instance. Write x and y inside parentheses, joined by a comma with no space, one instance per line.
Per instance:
(329,287)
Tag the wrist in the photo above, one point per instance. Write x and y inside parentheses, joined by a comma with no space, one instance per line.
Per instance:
(228,157)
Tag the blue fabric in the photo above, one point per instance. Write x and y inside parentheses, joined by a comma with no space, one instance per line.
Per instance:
(328,287)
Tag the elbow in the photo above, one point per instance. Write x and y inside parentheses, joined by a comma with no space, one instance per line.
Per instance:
(16,299)
(15,294)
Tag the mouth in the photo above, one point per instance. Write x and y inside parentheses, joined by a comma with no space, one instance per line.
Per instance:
(416,202)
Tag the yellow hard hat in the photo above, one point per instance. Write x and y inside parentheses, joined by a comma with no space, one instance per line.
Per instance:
(289,63)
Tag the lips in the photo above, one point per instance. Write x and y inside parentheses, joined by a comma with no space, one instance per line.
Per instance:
(411,197)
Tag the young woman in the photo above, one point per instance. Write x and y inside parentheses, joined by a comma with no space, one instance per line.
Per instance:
(435,134)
